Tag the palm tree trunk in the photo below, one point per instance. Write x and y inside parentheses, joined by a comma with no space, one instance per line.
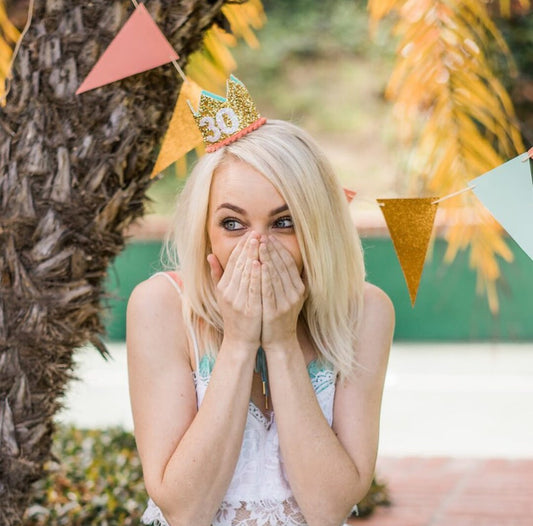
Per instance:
(73,174)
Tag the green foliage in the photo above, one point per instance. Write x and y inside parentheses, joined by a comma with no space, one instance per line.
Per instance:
(96,479)
(518,32)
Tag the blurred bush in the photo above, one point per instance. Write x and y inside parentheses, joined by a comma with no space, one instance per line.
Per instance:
(96,478)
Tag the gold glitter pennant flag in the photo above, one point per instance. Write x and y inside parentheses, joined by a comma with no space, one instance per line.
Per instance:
(410,222)
(182,134)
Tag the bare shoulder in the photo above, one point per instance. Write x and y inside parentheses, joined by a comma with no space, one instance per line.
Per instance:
(377,327)
(377,303)
(154,317)
(154,293)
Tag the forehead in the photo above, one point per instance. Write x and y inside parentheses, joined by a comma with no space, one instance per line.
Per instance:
(239,183)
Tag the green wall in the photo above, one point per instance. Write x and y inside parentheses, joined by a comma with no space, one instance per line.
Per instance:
(447,307)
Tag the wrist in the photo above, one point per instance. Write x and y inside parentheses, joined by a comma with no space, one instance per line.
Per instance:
(282,346)
(242,351)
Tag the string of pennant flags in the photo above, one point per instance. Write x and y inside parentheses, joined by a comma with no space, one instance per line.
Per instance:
(506,191)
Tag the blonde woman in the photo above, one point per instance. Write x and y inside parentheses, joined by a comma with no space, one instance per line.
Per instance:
(269,260)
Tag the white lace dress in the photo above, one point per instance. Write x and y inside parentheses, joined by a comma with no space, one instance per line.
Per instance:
(259,493)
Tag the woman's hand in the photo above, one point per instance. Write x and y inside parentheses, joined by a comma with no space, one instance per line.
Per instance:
(238,290)
(283,293)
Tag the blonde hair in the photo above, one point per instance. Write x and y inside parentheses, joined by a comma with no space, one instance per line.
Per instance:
(329,243)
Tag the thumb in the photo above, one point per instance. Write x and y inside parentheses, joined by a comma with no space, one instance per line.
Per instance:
(215,267)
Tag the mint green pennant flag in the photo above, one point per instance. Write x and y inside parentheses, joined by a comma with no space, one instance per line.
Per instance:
(507,193)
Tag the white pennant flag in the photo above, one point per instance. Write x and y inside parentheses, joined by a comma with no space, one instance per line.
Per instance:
(507,193)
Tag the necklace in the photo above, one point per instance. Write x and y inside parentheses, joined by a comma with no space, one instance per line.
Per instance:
(261,368)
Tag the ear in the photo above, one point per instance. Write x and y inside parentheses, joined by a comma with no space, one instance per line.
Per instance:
(215,267)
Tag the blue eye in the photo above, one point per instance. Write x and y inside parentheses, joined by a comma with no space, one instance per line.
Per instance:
(284,222)
(231,224)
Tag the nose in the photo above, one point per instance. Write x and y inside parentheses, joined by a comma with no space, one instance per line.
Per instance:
(260,231)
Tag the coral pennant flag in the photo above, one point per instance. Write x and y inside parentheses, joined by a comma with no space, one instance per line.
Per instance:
(350,194)
(182,134)
(138,46)
(410,222)
(507,193)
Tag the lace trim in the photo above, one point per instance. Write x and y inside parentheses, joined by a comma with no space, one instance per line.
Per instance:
(259,415)
(153,515)
(252,511)
(323,379)
(266,512)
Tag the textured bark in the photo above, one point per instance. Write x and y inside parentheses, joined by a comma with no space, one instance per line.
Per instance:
(73,175)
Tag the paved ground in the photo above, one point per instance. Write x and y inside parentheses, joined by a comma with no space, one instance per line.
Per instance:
(456,446)
(455,492)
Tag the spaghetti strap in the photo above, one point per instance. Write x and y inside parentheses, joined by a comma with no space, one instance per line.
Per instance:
(173,278)
(177,284)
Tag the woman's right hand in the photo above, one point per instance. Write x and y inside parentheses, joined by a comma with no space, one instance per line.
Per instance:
(238,290)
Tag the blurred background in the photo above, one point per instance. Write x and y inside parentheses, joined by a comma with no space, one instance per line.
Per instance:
(460,381)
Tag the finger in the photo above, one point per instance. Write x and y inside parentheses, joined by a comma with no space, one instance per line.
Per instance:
(242,281)
(249,252)
(267,291)
(254,290)
(280,277)
(275,279)
(281,256)
(215,267)
(236,259)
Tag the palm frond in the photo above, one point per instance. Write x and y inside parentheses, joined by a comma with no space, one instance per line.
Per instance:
(212,65)
(8,38)
(457,119)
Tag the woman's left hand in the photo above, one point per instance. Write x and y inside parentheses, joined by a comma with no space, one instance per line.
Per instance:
(283,294)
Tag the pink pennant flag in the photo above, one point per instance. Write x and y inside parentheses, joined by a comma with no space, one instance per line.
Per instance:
(138,46)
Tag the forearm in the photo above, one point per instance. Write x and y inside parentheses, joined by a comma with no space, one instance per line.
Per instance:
(323,477)
(199,471)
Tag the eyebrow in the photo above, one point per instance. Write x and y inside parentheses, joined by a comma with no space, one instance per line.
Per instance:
(239,210)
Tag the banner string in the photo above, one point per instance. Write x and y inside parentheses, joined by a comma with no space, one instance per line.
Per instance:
(440,199)
(454,194)
(135,3)
(528,155)
(180,71)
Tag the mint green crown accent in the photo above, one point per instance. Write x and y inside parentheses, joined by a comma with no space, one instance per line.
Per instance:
(213,95)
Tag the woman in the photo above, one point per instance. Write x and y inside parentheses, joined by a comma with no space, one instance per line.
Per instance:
(269,260)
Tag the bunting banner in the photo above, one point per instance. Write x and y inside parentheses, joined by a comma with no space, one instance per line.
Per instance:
(350,194)
(410,223)
(507,193)
(139,46)
(182,134)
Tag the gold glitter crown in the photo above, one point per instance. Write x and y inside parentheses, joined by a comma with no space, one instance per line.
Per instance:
(224,120)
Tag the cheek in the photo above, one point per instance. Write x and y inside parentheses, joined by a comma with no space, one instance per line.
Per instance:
(293,247)
(222,247)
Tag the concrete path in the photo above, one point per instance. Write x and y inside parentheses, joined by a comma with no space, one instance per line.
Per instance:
(460,400)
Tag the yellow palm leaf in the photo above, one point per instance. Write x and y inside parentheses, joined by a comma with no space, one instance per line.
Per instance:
(211,66)
(457,119)
(8,37)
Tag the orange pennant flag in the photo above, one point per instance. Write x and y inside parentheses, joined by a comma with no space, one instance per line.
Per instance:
(139,46)
(410,223)
(182,134)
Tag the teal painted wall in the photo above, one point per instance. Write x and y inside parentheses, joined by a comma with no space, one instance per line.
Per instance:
(447,307)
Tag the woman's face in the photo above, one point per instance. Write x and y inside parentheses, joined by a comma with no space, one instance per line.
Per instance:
(241,201)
